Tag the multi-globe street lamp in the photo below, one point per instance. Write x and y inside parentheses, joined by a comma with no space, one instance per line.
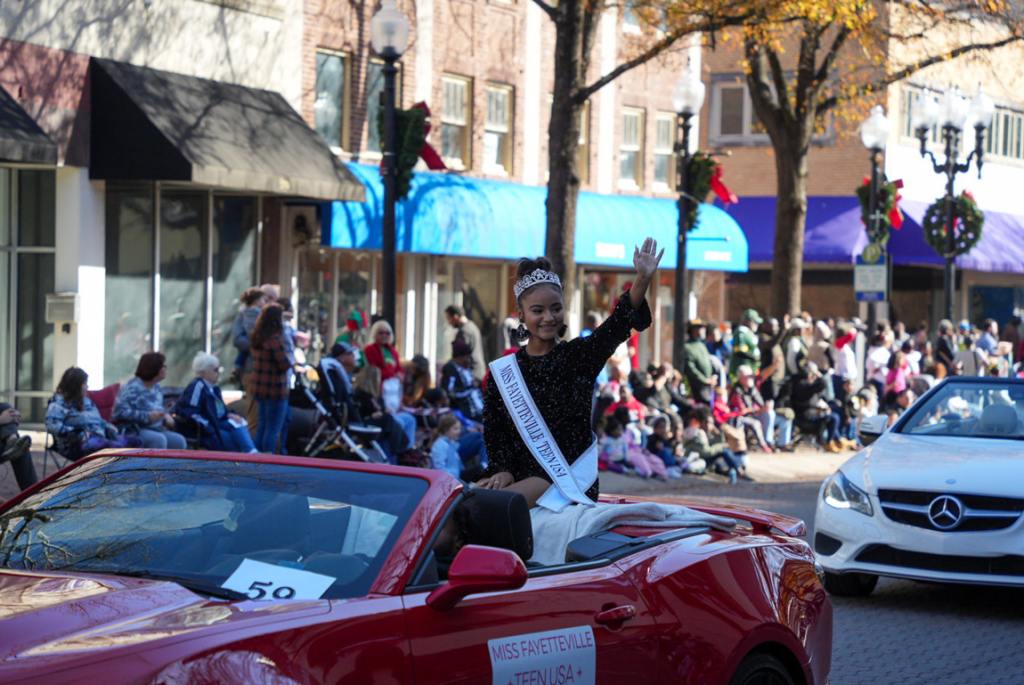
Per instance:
(389,37)
(874,133)
(687,98)
(954,115)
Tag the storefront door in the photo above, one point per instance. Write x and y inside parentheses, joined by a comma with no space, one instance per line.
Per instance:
(478,289)
(27,260)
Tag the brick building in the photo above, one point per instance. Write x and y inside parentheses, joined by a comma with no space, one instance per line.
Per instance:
(991,283)
(485,69)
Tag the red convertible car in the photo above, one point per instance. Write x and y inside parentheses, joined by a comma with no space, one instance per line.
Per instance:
(190,567)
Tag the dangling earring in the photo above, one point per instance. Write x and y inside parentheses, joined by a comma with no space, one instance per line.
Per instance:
(563,330)
(522,333)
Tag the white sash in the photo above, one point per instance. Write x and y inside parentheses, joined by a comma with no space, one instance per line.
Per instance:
(568,484)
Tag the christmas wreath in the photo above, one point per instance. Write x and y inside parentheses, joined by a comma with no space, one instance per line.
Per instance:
(704,174)
(889,216)
(967,222)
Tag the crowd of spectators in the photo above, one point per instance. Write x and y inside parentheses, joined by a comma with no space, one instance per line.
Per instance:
(753,384)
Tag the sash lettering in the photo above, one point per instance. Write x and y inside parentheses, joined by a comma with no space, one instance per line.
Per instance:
(569,484)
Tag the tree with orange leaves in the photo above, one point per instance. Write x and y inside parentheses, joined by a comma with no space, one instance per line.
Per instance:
(845,55)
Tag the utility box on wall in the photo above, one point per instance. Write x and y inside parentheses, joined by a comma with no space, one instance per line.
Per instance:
(62,308)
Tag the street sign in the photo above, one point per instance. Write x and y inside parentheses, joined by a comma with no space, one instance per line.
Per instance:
(871,280)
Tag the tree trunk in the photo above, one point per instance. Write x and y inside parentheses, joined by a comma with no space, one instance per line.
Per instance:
(575,26)
(790,222)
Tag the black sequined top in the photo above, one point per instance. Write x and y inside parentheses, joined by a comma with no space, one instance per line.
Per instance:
(562,385)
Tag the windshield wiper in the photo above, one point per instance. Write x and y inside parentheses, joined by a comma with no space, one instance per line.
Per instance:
(197,586)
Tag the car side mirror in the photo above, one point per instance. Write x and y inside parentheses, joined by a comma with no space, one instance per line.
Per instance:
(871,428)
(478,569)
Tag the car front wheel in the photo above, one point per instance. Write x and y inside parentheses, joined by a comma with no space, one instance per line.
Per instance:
(760,668)
(850,584)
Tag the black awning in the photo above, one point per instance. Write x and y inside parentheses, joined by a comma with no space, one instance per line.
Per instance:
(161,126)
(21,139)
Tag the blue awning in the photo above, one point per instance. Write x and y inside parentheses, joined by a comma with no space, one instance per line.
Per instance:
(608,226)
(443,214)
(447,214)
(835,235)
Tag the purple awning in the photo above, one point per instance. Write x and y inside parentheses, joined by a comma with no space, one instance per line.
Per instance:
(835,235)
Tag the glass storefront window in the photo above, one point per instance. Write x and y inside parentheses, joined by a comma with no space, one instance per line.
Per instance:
(5,208)
(36,208)
(34,337)
(182,281)
(129,282)
(316,283)
(477,288)
(234,267)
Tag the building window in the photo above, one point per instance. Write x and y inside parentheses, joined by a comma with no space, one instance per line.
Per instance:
(732,115)
(329,108)
(374,88)
(631,149)
(583,148)
(664,168)
(456,122)
(498,130)
(1003,138)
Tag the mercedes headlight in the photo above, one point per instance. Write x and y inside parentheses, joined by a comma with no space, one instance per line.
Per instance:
(842,494)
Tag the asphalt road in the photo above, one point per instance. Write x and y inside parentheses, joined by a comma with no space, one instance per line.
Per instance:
(905,632)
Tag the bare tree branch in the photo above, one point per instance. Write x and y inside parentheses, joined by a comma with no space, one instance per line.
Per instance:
(549,10)
(911,69)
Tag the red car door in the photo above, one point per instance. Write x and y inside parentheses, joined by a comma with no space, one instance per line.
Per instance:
(579,626)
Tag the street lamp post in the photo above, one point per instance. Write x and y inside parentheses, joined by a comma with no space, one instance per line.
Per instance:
(954,115)
(687,98)
(389,36)
(874,133)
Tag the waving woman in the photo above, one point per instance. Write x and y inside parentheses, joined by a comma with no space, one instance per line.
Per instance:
(537,413)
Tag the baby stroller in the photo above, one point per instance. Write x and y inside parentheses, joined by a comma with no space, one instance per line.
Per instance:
(333,440)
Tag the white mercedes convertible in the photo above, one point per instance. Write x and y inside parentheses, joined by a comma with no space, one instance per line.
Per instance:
(937,497)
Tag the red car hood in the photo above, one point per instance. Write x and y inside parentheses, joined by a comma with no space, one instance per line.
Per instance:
(63,614)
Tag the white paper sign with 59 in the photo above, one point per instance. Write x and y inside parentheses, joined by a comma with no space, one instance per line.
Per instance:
(264,581)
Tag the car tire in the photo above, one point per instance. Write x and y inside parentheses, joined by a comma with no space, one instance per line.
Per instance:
(761,668)
(850,584)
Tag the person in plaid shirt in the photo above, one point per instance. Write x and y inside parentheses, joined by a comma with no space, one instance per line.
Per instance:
(268,383)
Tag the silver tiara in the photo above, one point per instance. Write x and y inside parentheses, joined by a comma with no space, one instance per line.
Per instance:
(535,277)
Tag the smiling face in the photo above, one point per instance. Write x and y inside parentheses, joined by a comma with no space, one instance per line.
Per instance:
(542,311)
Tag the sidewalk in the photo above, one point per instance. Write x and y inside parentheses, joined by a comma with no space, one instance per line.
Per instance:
(804,465)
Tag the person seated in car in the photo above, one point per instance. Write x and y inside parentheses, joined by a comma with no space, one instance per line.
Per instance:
(75,423)
(202,403)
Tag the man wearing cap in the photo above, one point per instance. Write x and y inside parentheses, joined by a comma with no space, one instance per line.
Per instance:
(745,349)
(458,381)
(336,384)
(700,375)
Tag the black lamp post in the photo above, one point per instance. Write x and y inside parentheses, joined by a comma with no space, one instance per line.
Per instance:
(389,36)
(874,132)
(688,97)
(954,115)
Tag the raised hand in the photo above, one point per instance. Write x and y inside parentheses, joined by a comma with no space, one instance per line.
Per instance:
(646,258)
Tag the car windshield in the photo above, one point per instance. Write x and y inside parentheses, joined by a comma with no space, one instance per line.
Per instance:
(230,528)
(976,410)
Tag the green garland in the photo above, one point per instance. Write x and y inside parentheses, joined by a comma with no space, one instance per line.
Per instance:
(699,173)
(887,192)
(968,220)
(410,134)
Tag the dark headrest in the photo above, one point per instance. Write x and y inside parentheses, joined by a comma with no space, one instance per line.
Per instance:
(999,418)
(498,518)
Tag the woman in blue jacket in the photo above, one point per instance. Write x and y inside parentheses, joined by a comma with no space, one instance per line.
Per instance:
(203,404)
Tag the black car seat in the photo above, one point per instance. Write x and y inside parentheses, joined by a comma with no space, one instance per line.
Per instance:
(497,518)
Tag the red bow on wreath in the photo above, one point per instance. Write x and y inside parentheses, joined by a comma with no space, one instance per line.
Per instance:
(721,190)
(895,215)
(427,153)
